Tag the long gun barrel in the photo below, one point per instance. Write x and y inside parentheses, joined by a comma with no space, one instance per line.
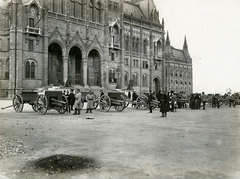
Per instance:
(6,107)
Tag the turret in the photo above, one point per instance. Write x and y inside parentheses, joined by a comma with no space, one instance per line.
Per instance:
(168,45)
(185,48)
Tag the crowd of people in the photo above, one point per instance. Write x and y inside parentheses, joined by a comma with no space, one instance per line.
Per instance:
(167,102)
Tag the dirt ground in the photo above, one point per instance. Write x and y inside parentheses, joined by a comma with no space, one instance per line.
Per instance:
(188,144)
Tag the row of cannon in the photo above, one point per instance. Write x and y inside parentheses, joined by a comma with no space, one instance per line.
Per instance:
(58,101)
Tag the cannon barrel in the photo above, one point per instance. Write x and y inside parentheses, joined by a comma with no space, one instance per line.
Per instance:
(6,107)
(116,102)
(58,101)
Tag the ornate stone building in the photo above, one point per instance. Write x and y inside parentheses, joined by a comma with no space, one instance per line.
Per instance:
(87,43)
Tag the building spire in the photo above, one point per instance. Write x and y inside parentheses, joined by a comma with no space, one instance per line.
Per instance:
(185,42)
(167,40)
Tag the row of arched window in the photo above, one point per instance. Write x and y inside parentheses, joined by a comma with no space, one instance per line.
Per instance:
(181,82)
(113,78)
(77,9)
(136,45)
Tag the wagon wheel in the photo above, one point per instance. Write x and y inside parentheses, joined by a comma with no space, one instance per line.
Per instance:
(123,105)
(42,104)
(18,103)
(141,102)
(95,102)
(34,107)
(105,103)
(63,109)
(126,99)
(154,105)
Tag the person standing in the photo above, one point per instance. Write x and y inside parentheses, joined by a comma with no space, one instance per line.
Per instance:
(89,99)
(78,102)
(173,102)
(159,95)
(204,99)
(71,99)
(164,106)
(149,101)
(134,99)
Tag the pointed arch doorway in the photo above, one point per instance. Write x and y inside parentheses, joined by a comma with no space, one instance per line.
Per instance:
(94,69)
(156,85)
(55,65)
(75,70)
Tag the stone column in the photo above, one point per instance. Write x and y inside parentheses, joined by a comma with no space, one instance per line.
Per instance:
(84,60)
(65,69)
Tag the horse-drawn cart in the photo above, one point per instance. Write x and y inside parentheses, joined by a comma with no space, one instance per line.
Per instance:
(19,100)
(113,98)
(52,100)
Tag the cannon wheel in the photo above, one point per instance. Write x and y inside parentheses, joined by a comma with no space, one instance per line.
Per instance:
(105,103)
(141,102)
(63,109)
(34,107)
(18,103)
(95,102)
(126,99)
(123,105)
(42,104)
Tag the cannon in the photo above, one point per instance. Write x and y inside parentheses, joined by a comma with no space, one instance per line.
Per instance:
(181,100)
(113,98)
(52,100)
(19,100)
(142,102)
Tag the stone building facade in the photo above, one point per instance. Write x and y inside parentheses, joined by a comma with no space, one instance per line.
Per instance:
(85,43)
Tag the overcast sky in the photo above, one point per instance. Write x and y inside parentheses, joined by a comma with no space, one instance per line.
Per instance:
(212,29)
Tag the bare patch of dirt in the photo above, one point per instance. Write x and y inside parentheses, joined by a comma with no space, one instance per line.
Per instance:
(61,163)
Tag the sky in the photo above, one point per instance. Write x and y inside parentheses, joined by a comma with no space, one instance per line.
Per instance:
(212,30)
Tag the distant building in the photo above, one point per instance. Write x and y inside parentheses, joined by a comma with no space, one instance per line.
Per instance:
(88,43)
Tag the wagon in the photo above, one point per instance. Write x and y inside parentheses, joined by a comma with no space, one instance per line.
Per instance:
(19,100)
(142,102)
(113,98)
(181,100)
(52,100)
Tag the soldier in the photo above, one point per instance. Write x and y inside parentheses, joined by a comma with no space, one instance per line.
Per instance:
(71,99)
(149,101)
(78,102)
(164,107)
(204,99)
(89,99)
(173,102)
(134,98)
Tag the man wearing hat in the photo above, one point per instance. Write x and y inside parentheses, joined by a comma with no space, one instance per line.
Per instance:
(71,99)
(78,102)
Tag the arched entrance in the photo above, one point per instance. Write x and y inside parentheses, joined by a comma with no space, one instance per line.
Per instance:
(93,69)
(55,65)
(156,85)
(75,71)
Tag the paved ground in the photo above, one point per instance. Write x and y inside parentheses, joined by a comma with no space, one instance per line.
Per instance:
(188,144)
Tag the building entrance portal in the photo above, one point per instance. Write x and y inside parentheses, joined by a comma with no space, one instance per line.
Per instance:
(156,85)
(94,69)
(55,65)
(75,66)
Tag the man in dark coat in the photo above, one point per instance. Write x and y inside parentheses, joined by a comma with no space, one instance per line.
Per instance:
(71,99)
(164,106)
(149,101)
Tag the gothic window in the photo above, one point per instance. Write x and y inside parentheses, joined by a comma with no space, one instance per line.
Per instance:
(135,63)
(127,43)
(159,48)
(135,79)
(98,13)
(30,69)
(126,79)
(91,17)
(133,44)
(7,70)
(110,5)
(61,7)
(30,45)
(115,7)
(126,62)
(112,76)
(145,80)
(145,65)
(145,46)
(137,45)
(31,22)
(76,8)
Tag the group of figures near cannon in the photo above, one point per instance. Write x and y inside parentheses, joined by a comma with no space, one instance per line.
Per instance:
(63,100)
(197,100)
